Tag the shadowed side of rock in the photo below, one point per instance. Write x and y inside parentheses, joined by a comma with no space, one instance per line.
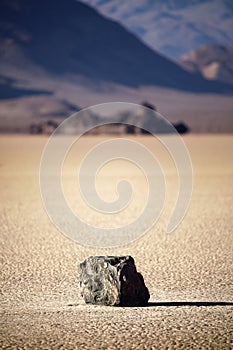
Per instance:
(133,291)
(112,280)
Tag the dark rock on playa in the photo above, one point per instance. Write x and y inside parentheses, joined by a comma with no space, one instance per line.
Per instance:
(112,280)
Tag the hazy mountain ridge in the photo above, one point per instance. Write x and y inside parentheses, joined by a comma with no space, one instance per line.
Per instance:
(17,114)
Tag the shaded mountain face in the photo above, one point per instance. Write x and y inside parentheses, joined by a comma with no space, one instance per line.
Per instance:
(68,37)
(214,62)
(173,27)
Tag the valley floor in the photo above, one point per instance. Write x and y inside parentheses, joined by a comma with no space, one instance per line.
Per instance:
(188,272)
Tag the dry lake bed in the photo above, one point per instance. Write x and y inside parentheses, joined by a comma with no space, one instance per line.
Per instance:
(188,272)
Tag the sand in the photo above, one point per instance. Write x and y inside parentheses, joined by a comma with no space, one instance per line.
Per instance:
(188,273)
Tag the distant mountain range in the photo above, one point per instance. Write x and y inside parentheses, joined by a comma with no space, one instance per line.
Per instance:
(214,62)
(57,55)
(18,114)
(66,37)
(173,27)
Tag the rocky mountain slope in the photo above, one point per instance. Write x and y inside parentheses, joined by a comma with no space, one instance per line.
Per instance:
(67,38)
(214,62)
(174,28)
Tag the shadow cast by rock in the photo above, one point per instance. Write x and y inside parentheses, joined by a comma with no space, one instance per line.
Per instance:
(189,303)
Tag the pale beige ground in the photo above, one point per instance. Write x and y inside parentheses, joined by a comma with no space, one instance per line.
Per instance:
(40,304)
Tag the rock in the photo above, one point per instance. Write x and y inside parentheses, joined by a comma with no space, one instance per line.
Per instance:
(112,280)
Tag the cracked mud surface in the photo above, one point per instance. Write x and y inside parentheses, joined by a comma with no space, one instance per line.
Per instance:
(188,273)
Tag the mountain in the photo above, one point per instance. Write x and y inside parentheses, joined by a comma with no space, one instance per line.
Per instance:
(214,62)
(67,38)
(18,114)
(56,55)
(172,27)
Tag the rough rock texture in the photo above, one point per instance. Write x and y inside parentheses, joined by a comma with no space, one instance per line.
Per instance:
(112,280)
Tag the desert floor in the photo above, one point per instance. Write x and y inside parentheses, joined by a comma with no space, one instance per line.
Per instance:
(188,272)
